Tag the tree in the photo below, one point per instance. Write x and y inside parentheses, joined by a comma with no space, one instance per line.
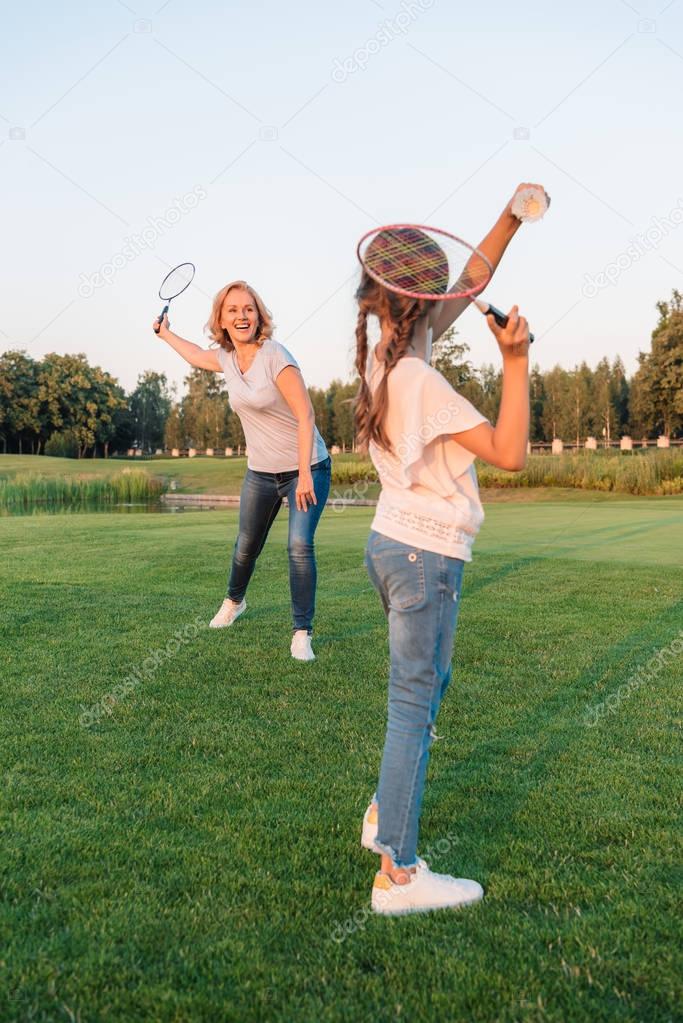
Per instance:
(342,413)
(174,431)
(620,396)
(122,435)
(78,397)
(537,399)
(449,357)
(609,399)
(150,404)
(236,438)
(20,412)
(205,410)
(555,392)
(658,383)
(577,407)
(322,412)
(485,391)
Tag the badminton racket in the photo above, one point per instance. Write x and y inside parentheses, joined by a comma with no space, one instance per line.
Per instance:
(423,262)
(174,284)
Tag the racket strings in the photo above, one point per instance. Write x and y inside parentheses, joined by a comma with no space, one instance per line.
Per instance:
(176,281)
(408,258)
(412,261)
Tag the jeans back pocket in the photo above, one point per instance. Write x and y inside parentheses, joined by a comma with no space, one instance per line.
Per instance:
(401,571)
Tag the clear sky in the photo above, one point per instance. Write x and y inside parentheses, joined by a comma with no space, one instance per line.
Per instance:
(261,140)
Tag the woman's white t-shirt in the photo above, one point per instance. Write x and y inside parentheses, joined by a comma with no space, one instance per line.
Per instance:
(429,497)
(270,427)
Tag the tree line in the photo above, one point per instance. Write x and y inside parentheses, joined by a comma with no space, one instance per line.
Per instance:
(61,405)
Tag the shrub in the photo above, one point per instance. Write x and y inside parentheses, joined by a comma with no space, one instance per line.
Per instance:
(62,445)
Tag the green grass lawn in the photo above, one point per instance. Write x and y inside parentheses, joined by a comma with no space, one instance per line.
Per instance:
(195,855)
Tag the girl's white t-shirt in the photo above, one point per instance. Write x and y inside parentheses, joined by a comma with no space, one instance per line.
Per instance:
(429,497)
(270,427)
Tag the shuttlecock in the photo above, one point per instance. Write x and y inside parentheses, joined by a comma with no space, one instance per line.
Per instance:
(530,204)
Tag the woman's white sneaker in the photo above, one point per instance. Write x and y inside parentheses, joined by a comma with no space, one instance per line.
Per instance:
(424,892)
(301,646)
(227,613)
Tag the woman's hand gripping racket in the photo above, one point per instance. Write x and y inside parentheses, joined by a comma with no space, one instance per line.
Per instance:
(173,284)
(427,263)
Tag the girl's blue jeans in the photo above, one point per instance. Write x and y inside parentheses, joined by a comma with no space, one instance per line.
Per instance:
(420,594)
(260,500)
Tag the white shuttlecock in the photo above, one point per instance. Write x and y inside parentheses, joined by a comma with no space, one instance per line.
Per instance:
(530,204)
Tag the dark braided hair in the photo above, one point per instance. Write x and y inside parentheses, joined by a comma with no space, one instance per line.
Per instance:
(402,313)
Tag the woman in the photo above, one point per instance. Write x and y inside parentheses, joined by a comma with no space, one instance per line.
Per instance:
(287,456)
(423,438)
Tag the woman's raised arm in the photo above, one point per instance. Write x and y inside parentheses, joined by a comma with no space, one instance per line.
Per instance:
(202,358)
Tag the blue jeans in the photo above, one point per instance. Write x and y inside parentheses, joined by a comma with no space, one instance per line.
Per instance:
(420,593)
(260,500)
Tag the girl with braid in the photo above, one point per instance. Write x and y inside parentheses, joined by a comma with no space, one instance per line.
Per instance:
(423,438)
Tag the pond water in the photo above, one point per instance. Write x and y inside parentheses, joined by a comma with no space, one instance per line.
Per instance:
(124,508)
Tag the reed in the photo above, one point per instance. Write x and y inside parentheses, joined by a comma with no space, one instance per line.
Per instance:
(654,472)
(25,492)
(658,472)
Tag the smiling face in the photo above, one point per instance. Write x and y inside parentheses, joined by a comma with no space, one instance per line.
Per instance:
(239,316)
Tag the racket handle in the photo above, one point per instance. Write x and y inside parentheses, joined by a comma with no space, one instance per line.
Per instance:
(160,320)
(501,319)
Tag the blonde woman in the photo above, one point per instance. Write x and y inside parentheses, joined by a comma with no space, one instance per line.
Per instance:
(287,456)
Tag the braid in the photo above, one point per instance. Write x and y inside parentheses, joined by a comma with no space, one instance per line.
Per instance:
(394,351)
(371,408)
(363,396)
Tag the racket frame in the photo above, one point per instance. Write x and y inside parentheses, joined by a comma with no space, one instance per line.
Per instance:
(430,296)
(168,300)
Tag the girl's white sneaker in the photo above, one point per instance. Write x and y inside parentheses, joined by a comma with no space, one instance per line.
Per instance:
(227,613)
(301,646)
(424,892)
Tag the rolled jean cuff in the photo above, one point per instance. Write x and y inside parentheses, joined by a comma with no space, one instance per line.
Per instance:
(391,853)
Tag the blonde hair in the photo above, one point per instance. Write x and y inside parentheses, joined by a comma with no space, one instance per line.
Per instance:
(220,335)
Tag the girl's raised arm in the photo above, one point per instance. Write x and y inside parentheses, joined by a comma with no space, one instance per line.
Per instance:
(505,444)
(493,246)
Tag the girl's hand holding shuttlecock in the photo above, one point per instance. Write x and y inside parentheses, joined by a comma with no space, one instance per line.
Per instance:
(529,203)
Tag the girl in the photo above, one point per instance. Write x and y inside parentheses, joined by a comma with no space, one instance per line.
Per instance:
(423,438)
(287,456)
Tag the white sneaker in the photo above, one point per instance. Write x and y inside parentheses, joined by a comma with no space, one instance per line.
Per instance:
(424,892)
(227,613)
(301,646)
